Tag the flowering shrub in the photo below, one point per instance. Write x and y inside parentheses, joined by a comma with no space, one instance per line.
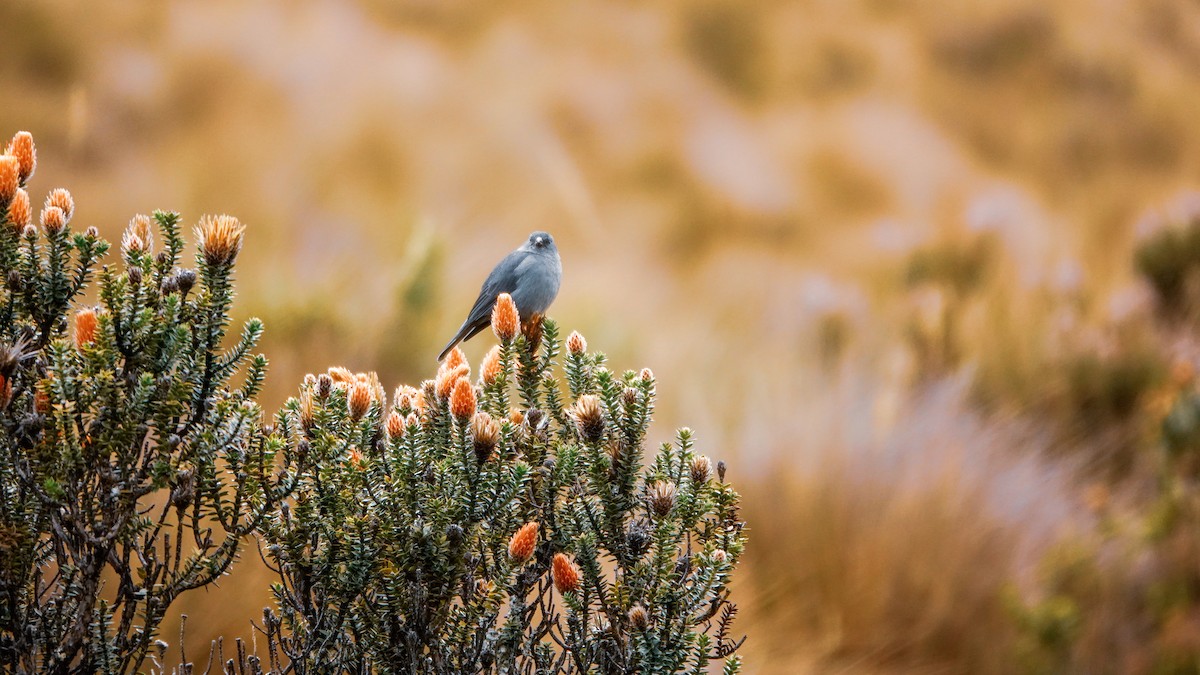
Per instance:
(131,464)
(452,530)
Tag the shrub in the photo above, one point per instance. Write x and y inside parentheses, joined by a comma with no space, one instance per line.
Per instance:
(131,465)
(448,532)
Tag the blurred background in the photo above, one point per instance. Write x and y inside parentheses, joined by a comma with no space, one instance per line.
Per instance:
(922,274)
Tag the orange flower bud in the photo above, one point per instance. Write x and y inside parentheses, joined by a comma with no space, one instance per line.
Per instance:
(506,322)
(356,459)
(447,378)
(454,359)
(523,542)
(19,211)
(576,345)
(53,220)
(62,199)
(359,400)
(85,328)
(564,573)
(10,178)
(490,370)
(395,425)
(462,400)
(21,146)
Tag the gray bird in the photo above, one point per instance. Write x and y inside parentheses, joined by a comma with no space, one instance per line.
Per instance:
(531,275)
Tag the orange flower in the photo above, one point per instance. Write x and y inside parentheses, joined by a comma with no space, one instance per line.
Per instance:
(395,425)
(576,345)
(21,146)
(454,359)
(447,378)
(356,458)
(523,542)
(62,199)
(10,177)
(564,573)
(53,219)
(491,367)
(359,400)
(19,210)
(462,400)
(85,328)
(506,322)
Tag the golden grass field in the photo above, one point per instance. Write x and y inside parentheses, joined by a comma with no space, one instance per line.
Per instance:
(878,254)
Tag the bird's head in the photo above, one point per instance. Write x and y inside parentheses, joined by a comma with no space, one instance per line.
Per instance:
(541,242)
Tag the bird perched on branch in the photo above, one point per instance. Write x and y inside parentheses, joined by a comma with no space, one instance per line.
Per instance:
(531,275)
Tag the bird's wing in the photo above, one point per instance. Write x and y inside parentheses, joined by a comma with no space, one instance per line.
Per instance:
(503,279)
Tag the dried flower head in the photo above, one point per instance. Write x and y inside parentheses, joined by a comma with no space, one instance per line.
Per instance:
(19,210)
(489,371)
(324,385)
(637,537)
(639,618)
(53,220)
(395,425)
(455,359)
(359,400)
(22,148)
(589,417)
(62,199)
(142,227)
(719,556)
(220,239)
(660,497)
(485,434)
(462,399)
(532,330)
(413,420)
(721,471)
(447,378)
(307,411)
(506,322)
(564,573)
(647,375)
(85,327)
(523,542)
(576,345)
(30,232)
(701,469)
(10,178)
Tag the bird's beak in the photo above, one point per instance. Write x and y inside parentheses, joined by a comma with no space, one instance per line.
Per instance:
(540,240)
